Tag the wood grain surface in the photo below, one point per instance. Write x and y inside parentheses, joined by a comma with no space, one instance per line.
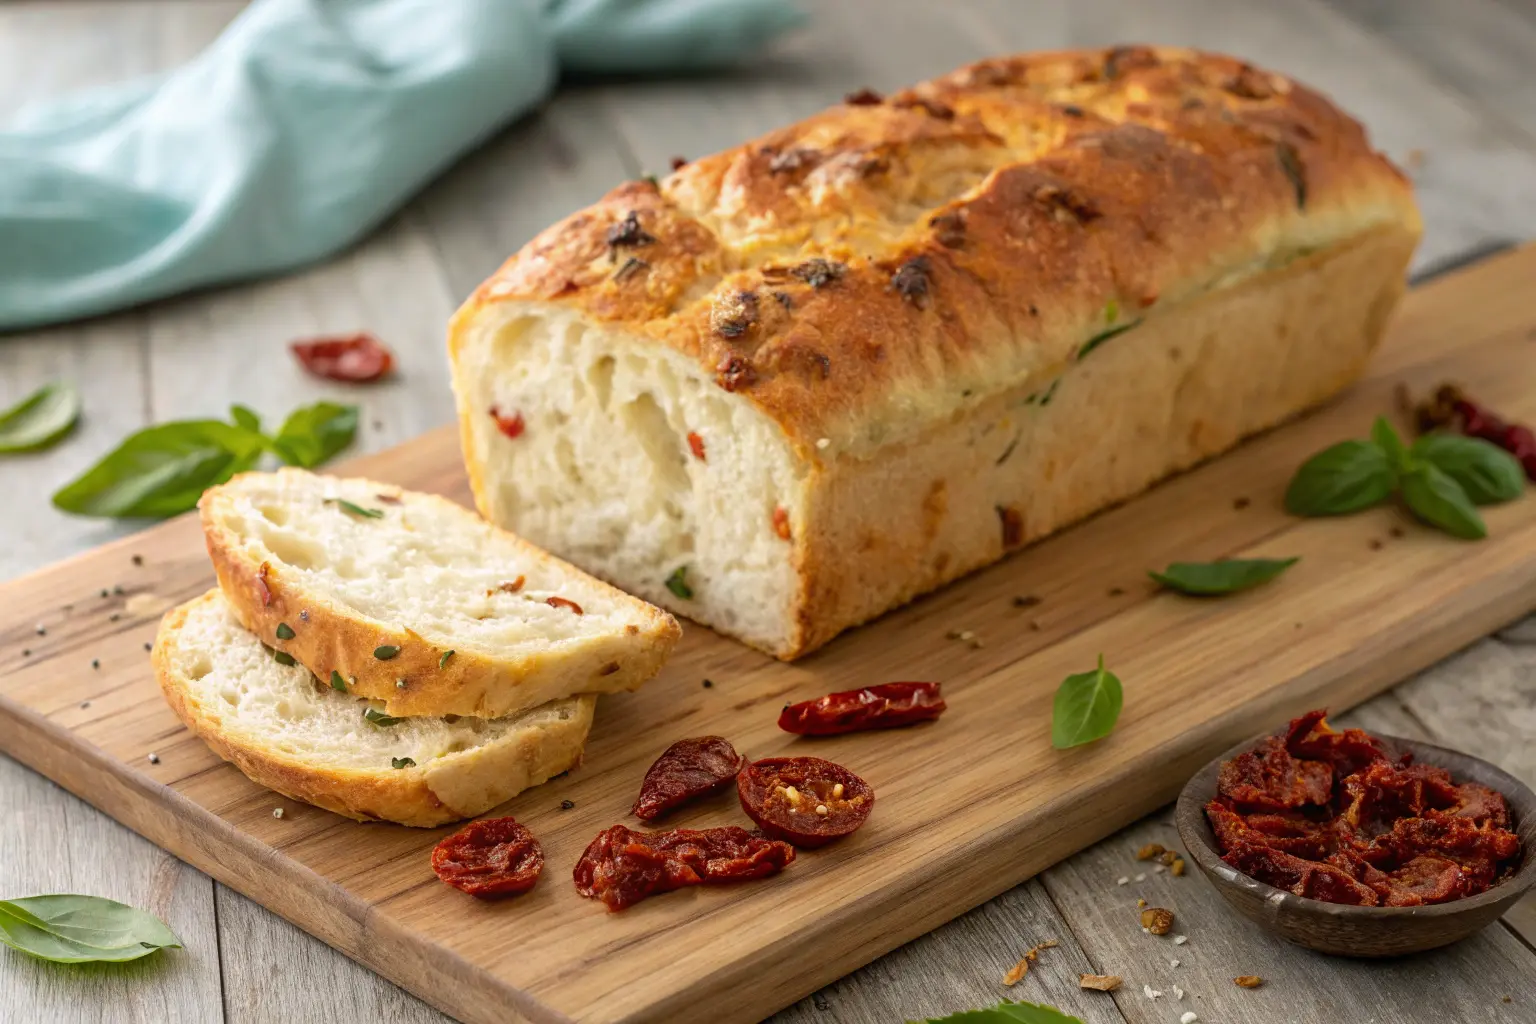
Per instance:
(968,806)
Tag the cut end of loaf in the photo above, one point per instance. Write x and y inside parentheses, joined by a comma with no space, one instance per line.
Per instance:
(634,465)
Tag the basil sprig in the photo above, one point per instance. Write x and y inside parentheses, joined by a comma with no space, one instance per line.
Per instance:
(1086,708)
(1442,478)
(1210,579)
(39,420)
(162,470)
(1009,1013)
(71,929)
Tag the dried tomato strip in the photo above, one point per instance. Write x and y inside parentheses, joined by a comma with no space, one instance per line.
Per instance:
(885,706)
(353,358)
(489,859)
(621,867)
(687,769)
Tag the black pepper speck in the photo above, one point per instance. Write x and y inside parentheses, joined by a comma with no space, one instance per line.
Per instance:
(708,684)
(566,805)
(138,559)
(95,663)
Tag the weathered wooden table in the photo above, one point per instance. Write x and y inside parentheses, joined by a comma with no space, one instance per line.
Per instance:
(1446,86)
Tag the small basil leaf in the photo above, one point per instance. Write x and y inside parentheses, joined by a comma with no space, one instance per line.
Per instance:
(1439,501)
(40,419)
(73,929)
(402,762)
(1488,473)
(245,418)
(284,631)
(442,662)
(356,510)
(1208,579)
(1009,1013)
(1103,336)
(1086,708)
(162,471)
(283,658)
(378,717)
(678,583)
(1347,477)
(1388,441)
(337,683)
(384,652)
(315,433)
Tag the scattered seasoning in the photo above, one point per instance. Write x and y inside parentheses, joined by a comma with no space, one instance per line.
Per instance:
(1377,544)
(512,426)
(105,592)
(384,652)
(563,602)
(708,684)
(1157,920)
(678,162)
(1188,1016)
(26,652)
(148,646)
(84,704)
(1248,981)
(788,302)
(781,522)
(1295,170)
(1177,867)
(1065,204)
(696,446)
(1139,904)
(912,281)
(1168,856)
(632,266)
(1151,851)
(818,273)
(1240,503)
(442,662)
(1150,992)
(399,684)
(1397,531)
(512,586)
(114,616)
(949,229)
(733,314)
(1174,962)
(566,805)
(402,762)
(1099,982)
(1179,940)
(284,631)
(154,758)
(1025,601)
(1116,591)
(389,499)
(864,98)
(791,160)
(283,658)
(1016,974)
(41,630)
(1009,450)
(1141,877)
(95,663)
(823,443)
(337,683)
(627,234)
(355,510)
(377,717)
(277,812)
(138,559)
(1123,880)
(678,583)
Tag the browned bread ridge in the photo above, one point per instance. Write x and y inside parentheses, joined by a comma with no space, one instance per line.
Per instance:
(813,376)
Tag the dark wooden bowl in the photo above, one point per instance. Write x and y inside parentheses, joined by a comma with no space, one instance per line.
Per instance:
(1364,931)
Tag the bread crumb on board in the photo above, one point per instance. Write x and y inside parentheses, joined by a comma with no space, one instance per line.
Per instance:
(1099,982)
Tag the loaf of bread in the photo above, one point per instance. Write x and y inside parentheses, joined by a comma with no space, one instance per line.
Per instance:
(415,601)
(292,733)
(798,383)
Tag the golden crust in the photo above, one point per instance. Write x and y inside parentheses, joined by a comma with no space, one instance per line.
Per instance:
(867,272)
(329,638)
(458,786)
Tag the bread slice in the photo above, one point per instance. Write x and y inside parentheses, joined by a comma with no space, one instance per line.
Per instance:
(291,733)
(413,600)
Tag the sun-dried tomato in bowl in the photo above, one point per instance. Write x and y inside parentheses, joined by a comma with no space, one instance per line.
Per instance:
(1328,815)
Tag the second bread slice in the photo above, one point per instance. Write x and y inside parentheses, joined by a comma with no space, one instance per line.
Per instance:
(413,600)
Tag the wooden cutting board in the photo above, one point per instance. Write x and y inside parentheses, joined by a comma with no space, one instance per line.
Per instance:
(968,806)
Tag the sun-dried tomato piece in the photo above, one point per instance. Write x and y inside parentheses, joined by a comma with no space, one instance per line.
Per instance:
(1311,738)
(885,706)
(1382,792)
(510,424)
(696,445)
(1460,838)
(806,801)
(1481,804)
(352,358)
(563,602)
(1288,833)
(1269,778)
(781,522)
(621,867)
(1299,876)
(686,769)
(491,858)
(1424,880)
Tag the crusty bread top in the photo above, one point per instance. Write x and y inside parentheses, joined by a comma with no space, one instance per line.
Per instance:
(869,270)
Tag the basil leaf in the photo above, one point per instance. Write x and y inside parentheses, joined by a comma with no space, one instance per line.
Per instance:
(1439,501)
(70,929)
(356,510)
(1488,473)
(1207,579)
(378,717)
(337,683)
(442,662)
(1086,708)
(678,583)
(1103,336)
(162,471)
(40,419)
(385,652)
(1347,477)
(402,762)
(1387,440)
(1009,1013)
(245,418)
(315,433)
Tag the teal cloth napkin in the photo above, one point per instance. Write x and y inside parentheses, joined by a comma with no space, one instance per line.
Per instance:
(303,125)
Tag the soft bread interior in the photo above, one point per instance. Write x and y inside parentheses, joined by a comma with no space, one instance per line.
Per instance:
(423,563)
(237,688)
(605,473)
